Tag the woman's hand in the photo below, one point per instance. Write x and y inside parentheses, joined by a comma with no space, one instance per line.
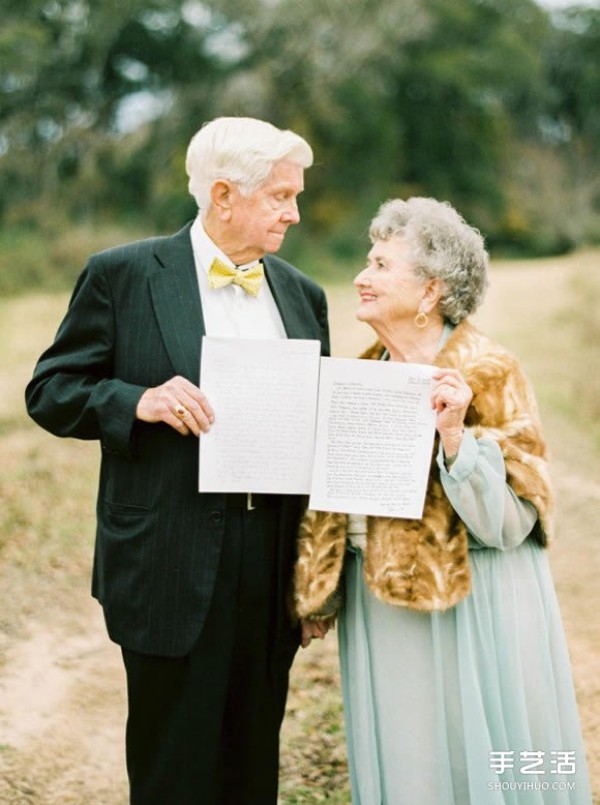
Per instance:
(451,397)
(312,629)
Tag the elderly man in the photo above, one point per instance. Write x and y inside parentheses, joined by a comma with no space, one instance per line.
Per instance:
(193,586)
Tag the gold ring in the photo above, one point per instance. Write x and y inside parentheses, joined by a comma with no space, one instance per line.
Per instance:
(181,411)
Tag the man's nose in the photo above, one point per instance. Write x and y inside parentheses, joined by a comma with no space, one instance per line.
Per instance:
(292,213)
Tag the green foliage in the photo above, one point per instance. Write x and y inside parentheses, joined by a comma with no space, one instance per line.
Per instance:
(572,123)
(459,96)
(51,258)
(574,72)
(491,104)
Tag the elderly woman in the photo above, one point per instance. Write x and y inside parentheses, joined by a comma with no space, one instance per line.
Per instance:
(456,678)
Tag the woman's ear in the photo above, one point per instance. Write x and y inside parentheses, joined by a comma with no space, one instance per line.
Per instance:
(432,293)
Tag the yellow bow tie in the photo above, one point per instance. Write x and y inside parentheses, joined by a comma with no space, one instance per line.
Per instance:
(220,274)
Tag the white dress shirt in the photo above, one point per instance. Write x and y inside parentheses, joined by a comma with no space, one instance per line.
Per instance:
(230,312)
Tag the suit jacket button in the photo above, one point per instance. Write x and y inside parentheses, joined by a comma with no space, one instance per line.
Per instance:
(216,516)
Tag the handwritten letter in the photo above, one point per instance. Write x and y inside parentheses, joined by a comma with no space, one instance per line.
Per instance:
(375,430)
(263,393)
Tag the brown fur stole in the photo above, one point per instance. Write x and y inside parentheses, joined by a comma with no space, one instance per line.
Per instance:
(423,564)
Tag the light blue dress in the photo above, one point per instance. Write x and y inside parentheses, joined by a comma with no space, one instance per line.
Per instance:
(475,705)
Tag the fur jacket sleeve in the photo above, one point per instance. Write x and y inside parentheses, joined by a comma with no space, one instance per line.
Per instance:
(423,564)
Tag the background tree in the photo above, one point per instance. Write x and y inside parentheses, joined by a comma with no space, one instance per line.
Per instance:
(491,104)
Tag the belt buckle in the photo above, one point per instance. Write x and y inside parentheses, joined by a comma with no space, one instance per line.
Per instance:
(249,506)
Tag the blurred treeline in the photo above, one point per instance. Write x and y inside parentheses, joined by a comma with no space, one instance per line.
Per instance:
(491,104)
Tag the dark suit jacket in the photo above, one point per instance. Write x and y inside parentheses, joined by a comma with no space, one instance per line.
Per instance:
(134,321)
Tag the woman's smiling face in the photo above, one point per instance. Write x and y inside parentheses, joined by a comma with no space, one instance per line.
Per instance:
(389,290)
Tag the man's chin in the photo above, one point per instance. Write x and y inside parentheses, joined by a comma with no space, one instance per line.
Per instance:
(275,242)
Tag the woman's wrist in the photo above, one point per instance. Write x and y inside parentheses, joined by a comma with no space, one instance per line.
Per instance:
(449,460)
(451,445)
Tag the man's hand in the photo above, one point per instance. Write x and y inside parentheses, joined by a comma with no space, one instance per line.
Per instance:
(179,404)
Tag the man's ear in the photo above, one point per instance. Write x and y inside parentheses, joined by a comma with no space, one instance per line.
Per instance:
(221,198)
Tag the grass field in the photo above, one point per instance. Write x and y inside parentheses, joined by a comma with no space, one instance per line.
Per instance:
(62,712)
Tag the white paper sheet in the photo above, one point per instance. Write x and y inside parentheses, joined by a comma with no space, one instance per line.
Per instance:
(264,395)
(375,431)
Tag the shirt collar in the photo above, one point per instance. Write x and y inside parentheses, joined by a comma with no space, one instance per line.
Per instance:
(206,250)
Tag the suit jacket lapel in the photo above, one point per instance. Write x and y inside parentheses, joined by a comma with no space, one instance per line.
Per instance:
(176,300)
(282,288)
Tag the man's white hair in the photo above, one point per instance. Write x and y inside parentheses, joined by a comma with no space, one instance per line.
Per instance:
(242,150)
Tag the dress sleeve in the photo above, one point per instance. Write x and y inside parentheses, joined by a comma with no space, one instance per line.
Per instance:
(477,489)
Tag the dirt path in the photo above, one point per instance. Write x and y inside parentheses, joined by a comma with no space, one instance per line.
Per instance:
(62,707)
(62,717)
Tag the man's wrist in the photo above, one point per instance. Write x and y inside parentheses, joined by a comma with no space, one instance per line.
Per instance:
(141,410)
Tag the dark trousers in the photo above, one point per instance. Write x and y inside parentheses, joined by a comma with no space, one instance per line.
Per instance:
(204,729)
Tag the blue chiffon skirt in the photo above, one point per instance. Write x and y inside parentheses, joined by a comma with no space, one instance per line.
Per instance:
(473,706)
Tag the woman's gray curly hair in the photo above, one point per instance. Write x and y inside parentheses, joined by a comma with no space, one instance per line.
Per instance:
(442,245)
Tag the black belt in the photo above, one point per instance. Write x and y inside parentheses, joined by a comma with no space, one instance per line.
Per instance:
(250,500)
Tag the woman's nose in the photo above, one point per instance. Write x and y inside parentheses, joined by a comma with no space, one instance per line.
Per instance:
(361,278)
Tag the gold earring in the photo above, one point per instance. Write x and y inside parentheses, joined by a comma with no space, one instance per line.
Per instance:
(421,320)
